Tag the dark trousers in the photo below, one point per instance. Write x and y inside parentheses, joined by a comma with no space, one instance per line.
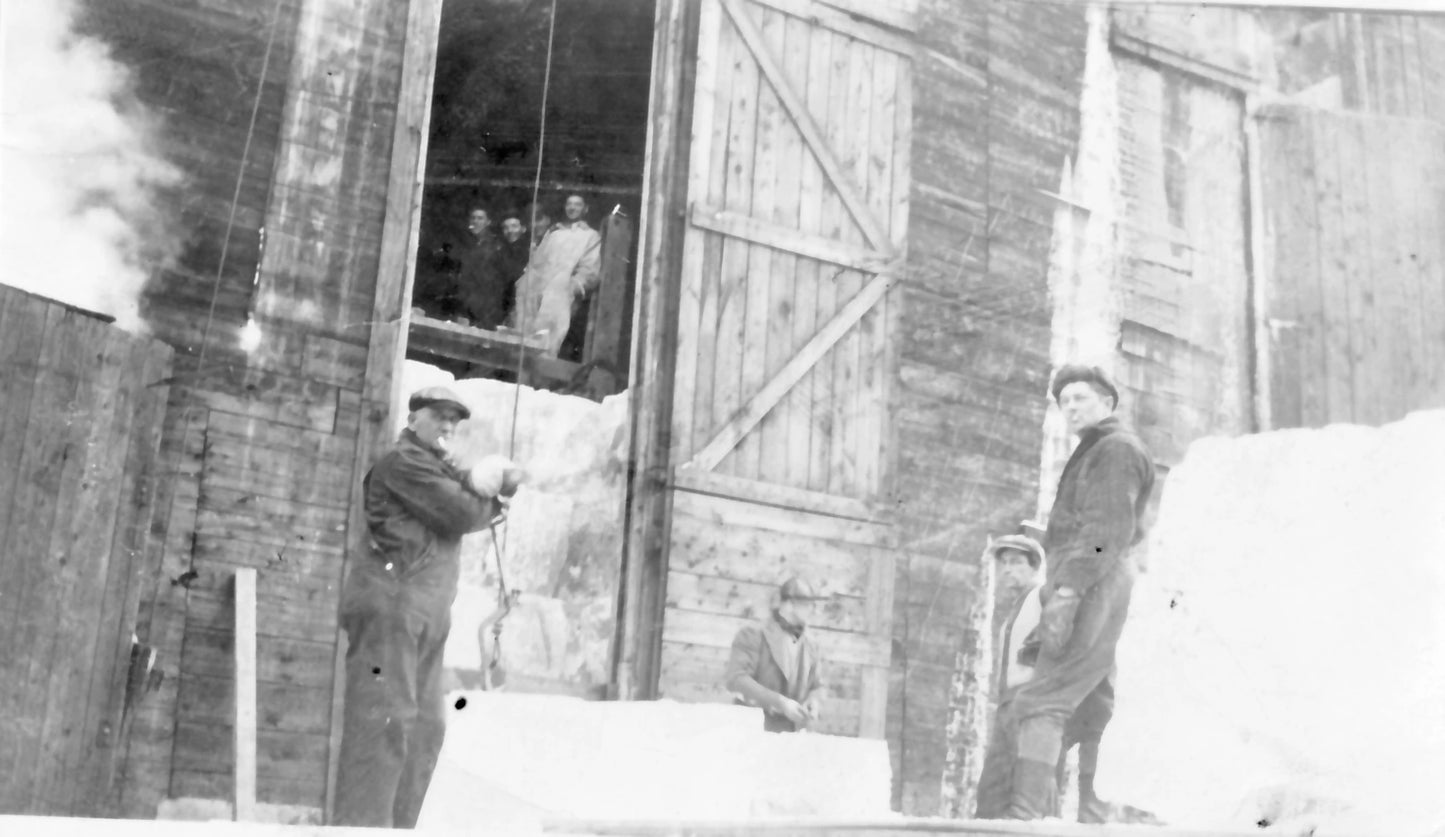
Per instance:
(394,720)
(1075,677)
(1084,728)
(1062,683)
(995,785)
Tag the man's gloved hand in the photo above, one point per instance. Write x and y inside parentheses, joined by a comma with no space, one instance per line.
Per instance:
(496,476)
(792,710)
(813,707)
(1029,651)
(1056,624)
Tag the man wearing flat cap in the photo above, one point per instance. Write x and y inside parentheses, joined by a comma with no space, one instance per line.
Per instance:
(396,607)
(1096,519)
(774,663)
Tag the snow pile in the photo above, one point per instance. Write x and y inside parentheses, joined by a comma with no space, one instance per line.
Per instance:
(526,757)
(563,536)
(1285,655)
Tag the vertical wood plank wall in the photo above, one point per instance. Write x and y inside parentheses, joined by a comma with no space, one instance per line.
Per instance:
(81,406)
(996,110)
(1181,259)
(798,197)
(262,447)
(1355,209)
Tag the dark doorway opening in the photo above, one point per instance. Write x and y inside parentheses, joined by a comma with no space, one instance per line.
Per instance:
(486,137)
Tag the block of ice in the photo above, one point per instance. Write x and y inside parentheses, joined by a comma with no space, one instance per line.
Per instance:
(1284,654)
(561,757)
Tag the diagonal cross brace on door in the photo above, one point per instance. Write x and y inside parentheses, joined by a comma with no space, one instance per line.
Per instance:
(752,412)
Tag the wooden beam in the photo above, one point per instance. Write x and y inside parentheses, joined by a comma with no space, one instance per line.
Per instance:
(609,303)
(827,17)
(772,494)
(1142,48)
(798,111)
(637,646)
(391,305)
(875,12)
(428,337)
(1401,7)
(748,416)
(245,691)
(791,240)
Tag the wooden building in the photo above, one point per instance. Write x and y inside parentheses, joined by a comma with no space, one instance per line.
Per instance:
(842,338)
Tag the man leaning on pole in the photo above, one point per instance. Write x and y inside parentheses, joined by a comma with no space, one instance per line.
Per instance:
(396,610)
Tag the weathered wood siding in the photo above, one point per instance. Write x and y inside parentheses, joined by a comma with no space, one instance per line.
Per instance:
(1182,263)
(996,104)
(81,407)
(1354,208)
(1387,64)
(283,115)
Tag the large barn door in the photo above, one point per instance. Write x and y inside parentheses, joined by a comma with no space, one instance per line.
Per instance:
(797,206)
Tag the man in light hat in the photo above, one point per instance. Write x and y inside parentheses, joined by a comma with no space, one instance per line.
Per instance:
(1096,519)
(396,607)
(1020,560)
(774,663)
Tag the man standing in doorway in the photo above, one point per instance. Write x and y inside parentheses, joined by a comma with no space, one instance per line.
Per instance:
(396,611)
(564,267)
(774,664)
(1096,519)
(480,283)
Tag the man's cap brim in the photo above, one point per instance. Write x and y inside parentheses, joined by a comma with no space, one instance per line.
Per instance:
(421,403)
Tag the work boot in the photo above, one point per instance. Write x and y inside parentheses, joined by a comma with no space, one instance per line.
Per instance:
(1092,809)
(1034,789)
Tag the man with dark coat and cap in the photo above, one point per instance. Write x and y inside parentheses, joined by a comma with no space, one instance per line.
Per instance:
(1096,518)
(395,609)
(774,663)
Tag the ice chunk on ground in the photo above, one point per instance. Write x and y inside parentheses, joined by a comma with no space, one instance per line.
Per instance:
(1284,654)
(562,757)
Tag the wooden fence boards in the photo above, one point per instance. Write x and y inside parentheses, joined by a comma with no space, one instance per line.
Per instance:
(80,418)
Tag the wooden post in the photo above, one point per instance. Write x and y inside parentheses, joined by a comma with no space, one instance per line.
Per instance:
(604,334)
(966,736)
(391,305)
(637,643)
(245,719)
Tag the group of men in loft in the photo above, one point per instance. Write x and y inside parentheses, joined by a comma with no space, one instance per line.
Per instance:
(533,283)
(1054,673)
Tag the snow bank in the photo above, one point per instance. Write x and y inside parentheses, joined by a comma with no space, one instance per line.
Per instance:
(524,757)
(563,536)
(1285,655)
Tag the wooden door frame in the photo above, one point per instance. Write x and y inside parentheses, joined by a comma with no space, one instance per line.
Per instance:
(391,305)
(637,645)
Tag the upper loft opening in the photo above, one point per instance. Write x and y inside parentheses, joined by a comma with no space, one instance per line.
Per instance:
(486,138)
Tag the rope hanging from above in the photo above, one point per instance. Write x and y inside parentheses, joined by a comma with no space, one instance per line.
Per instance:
(496,674)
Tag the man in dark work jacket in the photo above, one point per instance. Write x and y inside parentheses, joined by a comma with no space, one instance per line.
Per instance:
(774,663)
(396,610)
(1095,520)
